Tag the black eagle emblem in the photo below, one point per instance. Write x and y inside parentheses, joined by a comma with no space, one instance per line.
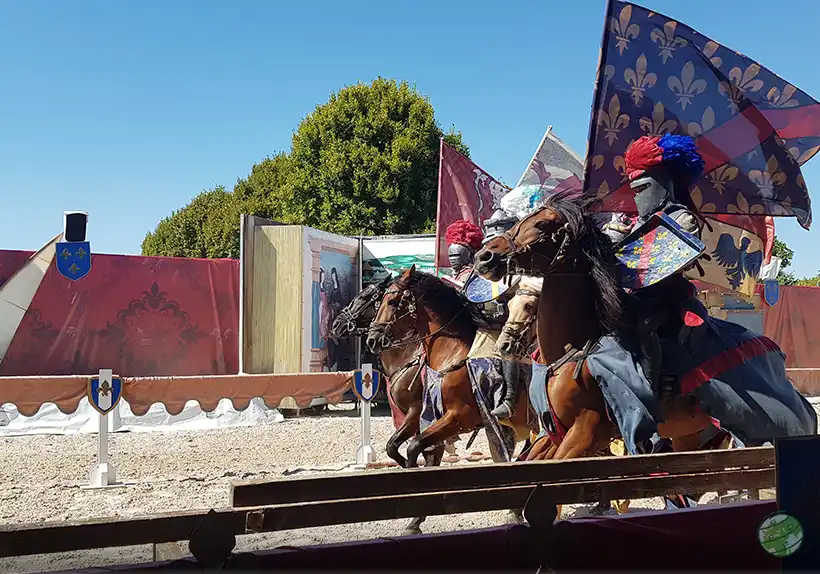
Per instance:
(738,262)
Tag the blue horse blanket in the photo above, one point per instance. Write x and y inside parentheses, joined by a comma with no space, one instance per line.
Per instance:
(489,389)
(738,376)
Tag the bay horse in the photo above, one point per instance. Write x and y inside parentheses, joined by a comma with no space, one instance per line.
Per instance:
(518,336)
(581,302)
(402,365)
(446,324)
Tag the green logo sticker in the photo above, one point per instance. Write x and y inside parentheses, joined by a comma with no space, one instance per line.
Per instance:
(780,534)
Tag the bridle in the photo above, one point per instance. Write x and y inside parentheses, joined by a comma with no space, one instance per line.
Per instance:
(514,267)
(384,331)
(351,318)
(517,330)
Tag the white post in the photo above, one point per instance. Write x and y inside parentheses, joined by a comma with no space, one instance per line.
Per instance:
(364,454)
(103,475)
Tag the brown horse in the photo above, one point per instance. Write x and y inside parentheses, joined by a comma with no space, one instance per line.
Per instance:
(446,325)
(580,302)
(402,365)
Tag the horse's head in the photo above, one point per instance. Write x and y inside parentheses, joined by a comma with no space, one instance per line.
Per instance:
(357,316)
(396,312)
(519,332)
(533,246)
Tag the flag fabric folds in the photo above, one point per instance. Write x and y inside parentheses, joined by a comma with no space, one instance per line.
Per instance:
(738,245)
(752,128)
(465,191)
(554,167)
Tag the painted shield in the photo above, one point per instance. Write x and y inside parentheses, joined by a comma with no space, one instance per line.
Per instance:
(771,292)
(654,251)
(480,290)
(73,259)
(104,395)
(366,384)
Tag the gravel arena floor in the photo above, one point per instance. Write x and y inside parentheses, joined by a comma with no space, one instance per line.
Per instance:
(40,481)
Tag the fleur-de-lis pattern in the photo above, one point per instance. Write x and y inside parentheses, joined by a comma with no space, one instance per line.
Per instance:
(623,30)
(659,76)
(666,40)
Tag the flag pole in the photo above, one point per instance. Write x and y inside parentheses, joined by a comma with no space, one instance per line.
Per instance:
(597,92)
(438,200)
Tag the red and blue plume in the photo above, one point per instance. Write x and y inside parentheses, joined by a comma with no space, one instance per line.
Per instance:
(679,154)
(463,232)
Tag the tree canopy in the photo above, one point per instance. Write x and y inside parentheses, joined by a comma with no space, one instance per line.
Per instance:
(786,277)
(364,163)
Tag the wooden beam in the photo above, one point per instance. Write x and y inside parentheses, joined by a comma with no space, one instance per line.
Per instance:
(20,540)
(393,482)
(349,511)
(25,539)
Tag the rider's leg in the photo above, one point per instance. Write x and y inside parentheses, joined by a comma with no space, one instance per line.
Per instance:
(512,387)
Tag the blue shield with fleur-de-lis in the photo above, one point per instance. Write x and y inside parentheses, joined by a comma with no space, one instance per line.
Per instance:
(104,393)
(73,259)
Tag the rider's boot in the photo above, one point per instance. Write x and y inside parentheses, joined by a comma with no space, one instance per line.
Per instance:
(505,410)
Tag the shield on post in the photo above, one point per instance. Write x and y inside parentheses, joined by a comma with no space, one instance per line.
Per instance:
(104,394)
(771,292)
(73,259)
(480,290)
(654,251)
(366,384)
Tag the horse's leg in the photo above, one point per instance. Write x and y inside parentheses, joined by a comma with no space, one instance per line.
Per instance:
(408,428)
(432,457)
(497,456)
(445,427)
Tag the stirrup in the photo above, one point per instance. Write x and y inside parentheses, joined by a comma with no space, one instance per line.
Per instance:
(504,411)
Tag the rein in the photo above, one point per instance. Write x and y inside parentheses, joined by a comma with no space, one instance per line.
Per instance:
(386,328)
(515,268)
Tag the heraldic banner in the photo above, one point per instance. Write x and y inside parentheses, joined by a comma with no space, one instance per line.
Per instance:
(738,246)
(753,129)
(554,167)
(465,191)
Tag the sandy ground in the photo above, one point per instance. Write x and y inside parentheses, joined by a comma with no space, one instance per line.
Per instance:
(40,481)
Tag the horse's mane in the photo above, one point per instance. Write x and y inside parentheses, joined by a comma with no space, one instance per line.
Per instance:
(576,211)
(451,306)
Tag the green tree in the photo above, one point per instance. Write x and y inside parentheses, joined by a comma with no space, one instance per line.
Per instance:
(786,277)
(780,249)
(366,162)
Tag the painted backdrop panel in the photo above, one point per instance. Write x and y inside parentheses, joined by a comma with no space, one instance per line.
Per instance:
(331,281)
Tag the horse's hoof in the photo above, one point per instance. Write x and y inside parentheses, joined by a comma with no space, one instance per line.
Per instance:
(515,517)
(412,531)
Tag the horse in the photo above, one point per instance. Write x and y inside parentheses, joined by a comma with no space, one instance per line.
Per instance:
(402,365)
(446,324)
(583,307)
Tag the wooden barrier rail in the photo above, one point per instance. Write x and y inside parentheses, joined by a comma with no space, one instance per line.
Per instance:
(323,501)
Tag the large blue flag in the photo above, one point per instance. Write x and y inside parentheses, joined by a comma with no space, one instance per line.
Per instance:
(753,128)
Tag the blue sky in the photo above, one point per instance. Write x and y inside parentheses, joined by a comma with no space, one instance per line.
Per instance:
(129,109)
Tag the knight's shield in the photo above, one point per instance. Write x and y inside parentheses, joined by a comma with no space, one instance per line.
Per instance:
(104,396)
(366,384)
(73,259)
(654,251)
(480,290)
(771,292)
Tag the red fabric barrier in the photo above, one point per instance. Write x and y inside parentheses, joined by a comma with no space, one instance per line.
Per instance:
(794,323)
(139,316)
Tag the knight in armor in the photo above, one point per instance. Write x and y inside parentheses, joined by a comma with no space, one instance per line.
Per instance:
(463,240)
(499,223)
(661,172)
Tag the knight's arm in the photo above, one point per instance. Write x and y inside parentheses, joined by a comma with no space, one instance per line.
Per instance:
(688,222)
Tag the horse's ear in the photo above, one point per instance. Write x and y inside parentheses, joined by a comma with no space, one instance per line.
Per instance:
(386,281)
(412,270)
